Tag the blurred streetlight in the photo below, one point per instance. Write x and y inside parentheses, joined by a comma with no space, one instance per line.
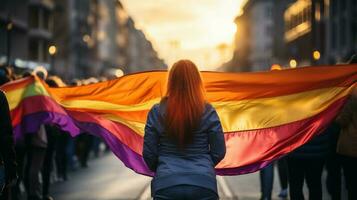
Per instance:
(52,50)
(293,63)
(316,55)
(86,38)
(119,73)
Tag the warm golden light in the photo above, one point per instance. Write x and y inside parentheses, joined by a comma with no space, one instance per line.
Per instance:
(316,55)
(198,26)
(119,73)
(9,26)
(275,67)
(293,63)
(52,50)
(86,38)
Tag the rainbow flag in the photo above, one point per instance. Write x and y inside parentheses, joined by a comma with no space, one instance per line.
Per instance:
(265,115)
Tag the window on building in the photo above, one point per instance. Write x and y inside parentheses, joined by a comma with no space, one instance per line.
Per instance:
(34,17)
(354,31)
(309,13)
(304,15)
(33,50)
(3,42)
(38,50)
(333,30)
(268,12)
(47,20)
(342,31)
(343,4)
(317,12)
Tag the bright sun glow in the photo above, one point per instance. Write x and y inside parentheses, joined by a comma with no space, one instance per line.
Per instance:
(201,30)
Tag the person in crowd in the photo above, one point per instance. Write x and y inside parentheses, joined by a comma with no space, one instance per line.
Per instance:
(62,158)
(84,143)
(266,176)
(333,168)
(8,175)
(307,162)
(283,177)
(5,75)
(182,148)
(60,138)
(37,146)
(347,141)
(52,133)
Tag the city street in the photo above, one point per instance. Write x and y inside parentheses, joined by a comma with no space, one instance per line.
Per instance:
(107,178)
(134,78)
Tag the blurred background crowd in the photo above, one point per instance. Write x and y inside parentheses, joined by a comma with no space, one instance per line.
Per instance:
(46,156)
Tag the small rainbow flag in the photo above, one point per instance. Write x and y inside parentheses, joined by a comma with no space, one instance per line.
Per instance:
(264,115)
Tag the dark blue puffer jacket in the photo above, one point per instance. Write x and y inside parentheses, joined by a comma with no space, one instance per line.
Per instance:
(193,165)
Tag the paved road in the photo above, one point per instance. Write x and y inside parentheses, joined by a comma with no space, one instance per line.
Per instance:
(108,179)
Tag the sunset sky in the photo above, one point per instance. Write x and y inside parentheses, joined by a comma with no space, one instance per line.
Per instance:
(188,28)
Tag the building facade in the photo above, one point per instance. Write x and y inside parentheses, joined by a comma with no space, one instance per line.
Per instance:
(341,32)
(91,38)
(98,38)
(259,39)
(296,33)
(25,33)
(305,32)
(76,38)
(261,35)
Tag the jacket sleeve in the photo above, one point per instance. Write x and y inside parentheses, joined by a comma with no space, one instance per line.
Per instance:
(151,140)
(216,138)
(6,138)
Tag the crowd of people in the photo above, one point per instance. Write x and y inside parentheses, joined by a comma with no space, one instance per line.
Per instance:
(51,153)
(335,150)
(44,157)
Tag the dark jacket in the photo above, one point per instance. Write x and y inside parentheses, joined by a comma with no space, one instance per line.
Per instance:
(192,165)
(320,146)
(347,141)
(7,152)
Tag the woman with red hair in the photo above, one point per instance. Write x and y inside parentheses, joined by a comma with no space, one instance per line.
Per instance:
(183,139)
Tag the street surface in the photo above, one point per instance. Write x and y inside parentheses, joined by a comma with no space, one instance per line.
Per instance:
(107,178)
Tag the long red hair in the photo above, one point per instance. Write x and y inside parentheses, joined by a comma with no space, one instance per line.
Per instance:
(185,101)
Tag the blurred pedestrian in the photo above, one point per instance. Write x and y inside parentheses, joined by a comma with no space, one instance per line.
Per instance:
(62,157)
(283,177)
(347,141)
(37,146)
(52,132)
(266,181)
(84,143)
(306,163)
(4,76)
(333,167)
(8,175)
(182,148)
